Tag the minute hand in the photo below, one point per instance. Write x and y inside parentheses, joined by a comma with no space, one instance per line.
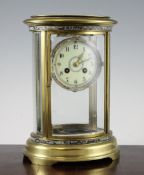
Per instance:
(84,60)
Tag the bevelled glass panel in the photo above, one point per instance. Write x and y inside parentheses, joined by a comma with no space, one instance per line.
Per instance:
(37,81)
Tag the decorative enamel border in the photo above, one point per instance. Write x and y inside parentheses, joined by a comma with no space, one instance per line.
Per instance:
(71,142)
(71,28)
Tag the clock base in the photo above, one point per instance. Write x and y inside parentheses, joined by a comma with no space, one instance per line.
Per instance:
(42,154)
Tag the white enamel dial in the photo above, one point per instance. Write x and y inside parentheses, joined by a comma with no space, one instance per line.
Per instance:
(75,64)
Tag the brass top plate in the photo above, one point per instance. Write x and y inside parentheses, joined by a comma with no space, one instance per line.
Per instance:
(69,20)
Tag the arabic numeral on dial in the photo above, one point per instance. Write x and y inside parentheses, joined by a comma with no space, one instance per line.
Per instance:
(59,64)
(61,55)
(67,49)
(67,79)
(61,73)
(75,46)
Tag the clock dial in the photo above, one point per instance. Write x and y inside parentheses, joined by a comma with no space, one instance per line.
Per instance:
(75,64)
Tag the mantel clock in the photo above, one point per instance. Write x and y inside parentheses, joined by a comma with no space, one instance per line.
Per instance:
(71,80)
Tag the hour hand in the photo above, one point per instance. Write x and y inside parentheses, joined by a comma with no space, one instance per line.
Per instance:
(78,59)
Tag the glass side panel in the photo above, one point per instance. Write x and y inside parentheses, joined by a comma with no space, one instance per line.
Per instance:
(37,92)
(100,84)
(69,108)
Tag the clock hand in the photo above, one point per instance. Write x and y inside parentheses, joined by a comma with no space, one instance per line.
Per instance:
(78,60)
(81,55)
(76,64)
(84,60)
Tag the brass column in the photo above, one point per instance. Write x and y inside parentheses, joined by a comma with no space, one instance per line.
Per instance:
(46,82)
(107,82)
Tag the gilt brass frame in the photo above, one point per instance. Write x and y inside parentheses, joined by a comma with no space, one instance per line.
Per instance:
(45,154)
(46,80)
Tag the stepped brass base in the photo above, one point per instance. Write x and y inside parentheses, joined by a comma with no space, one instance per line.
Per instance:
(42,154)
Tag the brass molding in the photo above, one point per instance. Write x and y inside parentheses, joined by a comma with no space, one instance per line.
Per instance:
(42,154)
(69,20)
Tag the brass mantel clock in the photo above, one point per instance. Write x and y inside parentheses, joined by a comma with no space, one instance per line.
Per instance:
(72,89)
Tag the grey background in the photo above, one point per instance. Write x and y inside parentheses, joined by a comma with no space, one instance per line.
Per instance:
(127,64)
